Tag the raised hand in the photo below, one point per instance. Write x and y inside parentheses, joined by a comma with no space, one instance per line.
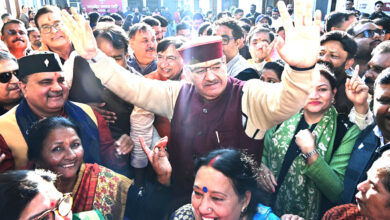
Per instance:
(158,157)
(302,44)
(357,92)
(80,33)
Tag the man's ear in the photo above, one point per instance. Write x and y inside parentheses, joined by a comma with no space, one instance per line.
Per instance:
(239,42)
(223,59)
(349,63)
(22,87)
(131,44)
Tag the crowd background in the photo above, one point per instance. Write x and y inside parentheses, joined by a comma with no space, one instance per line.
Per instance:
(303,130)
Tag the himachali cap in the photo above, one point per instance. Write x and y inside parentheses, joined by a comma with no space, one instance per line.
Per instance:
(201,49)
(38,63)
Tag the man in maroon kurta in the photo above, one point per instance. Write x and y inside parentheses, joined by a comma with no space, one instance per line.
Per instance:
(214,111)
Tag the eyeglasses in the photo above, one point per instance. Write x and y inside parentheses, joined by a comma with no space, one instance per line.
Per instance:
(371,33)
(202,70)
(64,206)
(47,28)
(226,39)
(256,41)
(7,76)
(14,32)
(168,59)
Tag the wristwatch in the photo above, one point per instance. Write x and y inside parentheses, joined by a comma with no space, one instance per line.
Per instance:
(99,55)
(308,155)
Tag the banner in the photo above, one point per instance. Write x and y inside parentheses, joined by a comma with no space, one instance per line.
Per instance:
(101,5)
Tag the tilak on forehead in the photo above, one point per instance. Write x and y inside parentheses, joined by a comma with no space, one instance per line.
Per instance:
(201,49)
(38,63)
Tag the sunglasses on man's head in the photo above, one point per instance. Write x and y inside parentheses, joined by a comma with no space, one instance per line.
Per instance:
(7,76)
(14,32)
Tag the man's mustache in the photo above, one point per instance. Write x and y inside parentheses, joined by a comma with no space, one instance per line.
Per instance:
(210,83)
(12,86)
(328,64)
(375,42)
(150,49)
(18,39)
(55,94)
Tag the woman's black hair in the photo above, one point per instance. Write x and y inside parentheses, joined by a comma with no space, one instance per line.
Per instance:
(277,66)
(128,22)
(325,71)
(38,133)
(240,168)
(203,27)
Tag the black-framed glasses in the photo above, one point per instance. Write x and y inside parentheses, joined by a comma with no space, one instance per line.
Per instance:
(64,206)
(15,32)
(371,33)
(7,76)
(47,28)
(226,39)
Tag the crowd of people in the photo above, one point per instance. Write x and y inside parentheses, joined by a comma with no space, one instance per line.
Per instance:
(137,115)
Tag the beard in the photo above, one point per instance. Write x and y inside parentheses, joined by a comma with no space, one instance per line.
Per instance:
(37,43)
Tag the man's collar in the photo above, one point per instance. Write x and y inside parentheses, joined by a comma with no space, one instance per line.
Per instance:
(139,64)
(379,134)
(233,60)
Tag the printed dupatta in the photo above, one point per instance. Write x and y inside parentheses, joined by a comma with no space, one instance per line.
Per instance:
(298,194)
(100,188)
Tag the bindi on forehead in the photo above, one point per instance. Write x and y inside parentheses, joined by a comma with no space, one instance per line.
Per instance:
(52,203)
